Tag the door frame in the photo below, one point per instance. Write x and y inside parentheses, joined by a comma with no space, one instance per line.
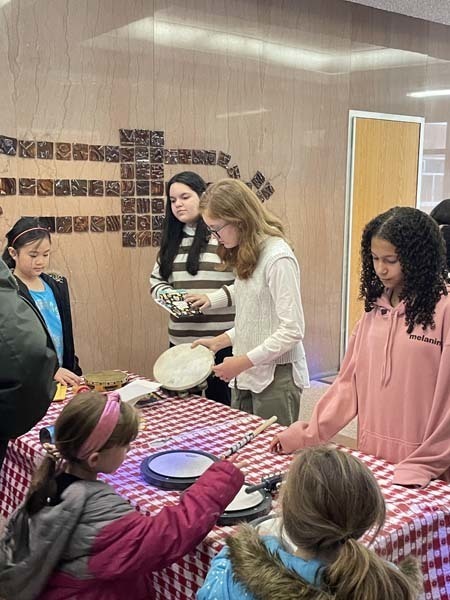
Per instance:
(352,116)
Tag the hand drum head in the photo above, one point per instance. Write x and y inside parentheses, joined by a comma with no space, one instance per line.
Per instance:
(182,368)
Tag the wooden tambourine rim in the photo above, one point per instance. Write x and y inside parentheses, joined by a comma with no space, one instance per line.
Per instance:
(98,378)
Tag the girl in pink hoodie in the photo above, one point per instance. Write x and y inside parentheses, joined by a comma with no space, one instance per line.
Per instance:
(396,372)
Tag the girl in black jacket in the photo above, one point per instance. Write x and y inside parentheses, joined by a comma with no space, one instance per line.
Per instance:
(27,253)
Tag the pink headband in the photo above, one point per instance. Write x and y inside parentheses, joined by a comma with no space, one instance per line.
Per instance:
(104,428)
(27,231)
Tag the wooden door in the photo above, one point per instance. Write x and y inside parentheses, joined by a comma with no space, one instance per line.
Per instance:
(385,161)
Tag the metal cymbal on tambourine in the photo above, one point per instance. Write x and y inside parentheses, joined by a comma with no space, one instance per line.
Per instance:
(182,367)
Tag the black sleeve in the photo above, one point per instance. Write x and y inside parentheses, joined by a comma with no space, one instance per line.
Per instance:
(27,361)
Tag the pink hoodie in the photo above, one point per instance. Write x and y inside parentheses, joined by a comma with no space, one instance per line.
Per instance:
(399,386)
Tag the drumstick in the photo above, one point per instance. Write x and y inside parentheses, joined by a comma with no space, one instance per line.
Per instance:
(249,437)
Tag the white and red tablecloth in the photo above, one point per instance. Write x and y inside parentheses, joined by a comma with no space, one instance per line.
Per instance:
(418,521)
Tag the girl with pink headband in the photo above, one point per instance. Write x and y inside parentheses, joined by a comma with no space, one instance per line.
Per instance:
(27,255)
(75,537)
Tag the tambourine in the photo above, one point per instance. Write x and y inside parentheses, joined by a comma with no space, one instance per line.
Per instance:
(105,381)
(182,367)
(178,469)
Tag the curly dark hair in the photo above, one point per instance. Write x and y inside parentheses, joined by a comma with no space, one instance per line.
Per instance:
(421,252)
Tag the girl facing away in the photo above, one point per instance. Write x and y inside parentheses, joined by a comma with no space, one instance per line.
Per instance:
(396,372)
(74,537)
(27,253)
(188,260)
(328,502)
(268,364)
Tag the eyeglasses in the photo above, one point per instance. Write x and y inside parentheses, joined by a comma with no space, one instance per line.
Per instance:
(216,231)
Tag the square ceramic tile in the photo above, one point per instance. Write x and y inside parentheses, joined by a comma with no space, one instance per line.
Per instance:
(128,205)
(112,154)
(156,155)
(234,172)
(142,137)
(79,187)
(157,222)
(258,179)
(143,170)
(141,153)
(127,171)
(211,157)
(62,187)
(128,222)
(49,223)
(96,187)
(126,137)
(80,151)
(249,184)
(260,196)
(129,239)
(81,224)
(45,187)
(184,156)
(157,139)
(44,150)
(96,153)
(144,238)
(8,145)
(64,224)
(157,188)
(223,159)
(27,149)
(157,171)
(199,157)
(158,206)
(267,191)
(142,188)
(113,223)
(127,154)
(143,205)
(127,187)
(156,238)
(171,156)
(144,222)
(98,224)
(112,188)
(27,187)
(8,186)
(63,151)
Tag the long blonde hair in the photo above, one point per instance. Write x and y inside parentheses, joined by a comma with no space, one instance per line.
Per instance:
(235,203)
(330,499)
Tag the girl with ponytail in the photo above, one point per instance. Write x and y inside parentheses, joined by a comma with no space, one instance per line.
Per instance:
(330,500)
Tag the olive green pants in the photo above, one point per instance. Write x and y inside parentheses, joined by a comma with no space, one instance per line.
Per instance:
(280,398)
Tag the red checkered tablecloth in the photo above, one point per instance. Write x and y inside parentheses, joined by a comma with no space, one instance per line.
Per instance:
(418,521)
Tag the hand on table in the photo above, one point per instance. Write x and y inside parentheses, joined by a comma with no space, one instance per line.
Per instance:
(66,377)
(232,366)
(275,446)
(200,301)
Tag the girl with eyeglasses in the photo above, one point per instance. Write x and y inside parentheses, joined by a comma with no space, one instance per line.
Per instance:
(268,366)
(188,260)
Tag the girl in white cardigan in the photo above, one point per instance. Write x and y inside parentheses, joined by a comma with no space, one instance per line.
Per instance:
(268,368)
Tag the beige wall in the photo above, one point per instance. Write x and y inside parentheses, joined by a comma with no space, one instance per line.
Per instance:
(269,82)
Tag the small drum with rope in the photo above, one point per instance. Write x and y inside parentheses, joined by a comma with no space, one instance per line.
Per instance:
(183,368)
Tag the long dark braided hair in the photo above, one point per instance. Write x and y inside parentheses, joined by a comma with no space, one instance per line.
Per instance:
(421,252)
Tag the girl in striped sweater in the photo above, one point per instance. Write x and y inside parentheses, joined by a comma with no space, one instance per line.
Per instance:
(188,260)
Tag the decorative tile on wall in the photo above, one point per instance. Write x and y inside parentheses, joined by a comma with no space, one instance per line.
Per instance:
(140,156)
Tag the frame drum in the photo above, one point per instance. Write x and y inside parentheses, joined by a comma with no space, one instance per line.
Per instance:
(182,368)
